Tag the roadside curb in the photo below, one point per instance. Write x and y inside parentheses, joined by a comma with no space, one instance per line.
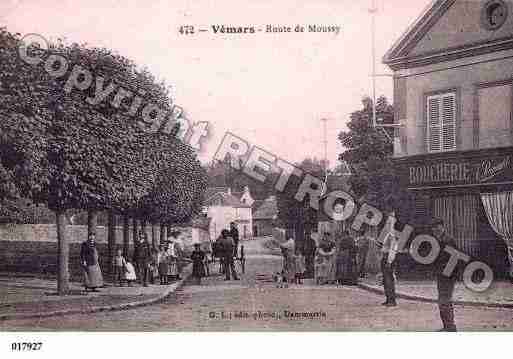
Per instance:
(105,308)
(418,298)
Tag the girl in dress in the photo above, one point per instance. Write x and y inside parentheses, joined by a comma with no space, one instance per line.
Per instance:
(130,276)
(163,265)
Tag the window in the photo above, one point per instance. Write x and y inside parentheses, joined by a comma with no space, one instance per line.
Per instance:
(494,116)
(441,122)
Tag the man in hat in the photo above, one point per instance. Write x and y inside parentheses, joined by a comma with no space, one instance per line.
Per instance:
(226,249)
(388,254)
(234,233)
(445,283)
(142,258)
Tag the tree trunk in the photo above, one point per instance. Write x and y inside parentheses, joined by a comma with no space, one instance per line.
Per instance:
(135,231)
(63,250)
(126,236)
(163,233)
(144,226)
(153,236)
(111,240)
(92,221)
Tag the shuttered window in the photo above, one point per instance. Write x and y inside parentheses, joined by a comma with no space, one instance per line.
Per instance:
(441,122)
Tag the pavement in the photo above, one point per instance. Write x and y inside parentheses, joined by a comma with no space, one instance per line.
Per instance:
(29,296)
(254,303)
(500,293)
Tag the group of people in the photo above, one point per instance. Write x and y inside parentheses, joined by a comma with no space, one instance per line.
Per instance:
(148,264)
(445,283)
(341,258)
(335,259)
(226,248)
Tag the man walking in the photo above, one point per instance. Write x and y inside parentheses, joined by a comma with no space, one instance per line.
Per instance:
(445,283)
(142,258)
(234,232)
(227,248)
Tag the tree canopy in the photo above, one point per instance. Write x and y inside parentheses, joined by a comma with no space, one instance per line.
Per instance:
(369,154)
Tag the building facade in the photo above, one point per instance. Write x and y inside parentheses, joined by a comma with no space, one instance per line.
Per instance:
(453,97)
(222,207)
(265,216)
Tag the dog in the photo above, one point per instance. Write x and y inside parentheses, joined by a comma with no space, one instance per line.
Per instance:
(280,280)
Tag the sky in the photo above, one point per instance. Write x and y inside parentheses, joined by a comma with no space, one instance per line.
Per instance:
(271,89)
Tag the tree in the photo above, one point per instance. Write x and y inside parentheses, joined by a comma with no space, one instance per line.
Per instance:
(62,151)
(369,153)
(181,182)
(222,174)
(299,217)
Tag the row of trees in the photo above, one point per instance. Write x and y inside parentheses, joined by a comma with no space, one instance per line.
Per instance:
(58,149)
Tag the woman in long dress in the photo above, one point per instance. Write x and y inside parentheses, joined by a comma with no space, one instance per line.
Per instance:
(171,258)
(346,260)
(289,261)
(93,278)
(325,268)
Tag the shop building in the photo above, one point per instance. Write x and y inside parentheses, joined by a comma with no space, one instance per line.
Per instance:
(453,96)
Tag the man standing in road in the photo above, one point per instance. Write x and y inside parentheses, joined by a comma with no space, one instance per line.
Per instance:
(142,258)
(389,252)
(227,247)
(445,283)
(234,232)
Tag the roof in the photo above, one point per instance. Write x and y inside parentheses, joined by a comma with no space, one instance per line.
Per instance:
(211,191)
(267,210)
(225,200)
(445,31)
(256,204)
(417,29)
(197,222)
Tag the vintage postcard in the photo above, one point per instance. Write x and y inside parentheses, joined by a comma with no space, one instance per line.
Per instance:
(255,166)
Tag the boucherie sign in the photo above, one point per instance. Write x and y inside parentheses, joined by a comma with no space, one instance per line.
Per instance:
(457,170)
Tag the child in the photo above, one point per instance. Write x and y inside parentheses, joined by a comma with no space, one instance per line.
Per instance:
(119,267)
(129,273)
(163,265)
(300,266)
(198,267)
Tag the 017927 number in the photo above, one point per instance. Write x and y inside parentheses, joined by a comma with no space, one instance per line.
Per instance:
(26,346)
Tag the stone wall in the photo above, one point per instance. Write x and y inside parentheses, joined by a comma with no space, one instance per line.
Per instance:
(33,248)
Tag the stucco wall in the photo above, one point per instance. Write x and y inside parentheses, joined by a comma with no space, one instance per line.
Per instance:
(33,248)
(411,91)
(222,216)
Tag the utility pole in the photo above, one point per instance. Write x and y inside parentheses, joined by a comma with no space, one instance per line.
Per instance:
(373,12)
(374,75)
(325,143)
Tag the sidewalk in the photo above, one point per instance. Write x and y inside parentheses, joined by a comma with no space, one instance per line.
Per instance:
(25,296)
(500,293)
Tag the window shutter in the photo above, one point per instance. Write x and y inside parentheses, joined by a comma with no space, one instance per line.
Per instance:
(441,122)
(448,122)
(433,124)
